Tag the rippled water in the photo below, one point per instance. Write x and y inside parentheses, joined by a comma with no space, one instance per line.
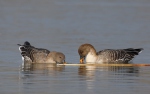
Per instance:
(63,25)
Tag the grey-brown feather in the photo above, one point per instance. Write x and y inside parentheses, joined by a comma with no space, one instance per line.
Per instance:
(121,55)
(31,52)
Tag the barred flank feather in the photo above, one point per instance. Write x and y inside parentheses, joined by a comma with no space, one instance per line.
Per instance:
(87,52)
(124,55)
(31,54)
(28,51)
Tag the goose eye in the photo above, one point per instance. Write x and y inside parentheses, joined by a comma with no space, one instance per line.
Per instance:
(59,57)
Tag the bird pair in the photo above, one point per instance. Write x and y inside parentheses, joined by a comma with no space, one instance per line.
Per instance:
(87,54)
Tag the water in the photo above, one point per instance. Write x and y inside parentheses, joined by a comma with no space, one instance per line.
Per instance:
(63,26)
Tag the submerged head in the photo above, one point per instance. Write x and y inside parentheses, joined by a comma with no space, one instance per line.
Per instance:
(83,50)
(58,57)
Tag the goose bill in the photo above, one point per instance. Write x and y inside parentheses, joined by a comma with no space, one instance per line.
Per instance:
(81,60)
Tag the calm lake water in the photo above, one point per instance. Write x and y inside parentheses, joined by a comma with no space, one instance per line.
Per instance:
(63,25)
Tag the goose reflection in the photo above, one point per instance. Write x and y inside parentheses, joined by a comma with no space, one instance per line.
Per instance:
(43,66)
(91,71)
(108,75)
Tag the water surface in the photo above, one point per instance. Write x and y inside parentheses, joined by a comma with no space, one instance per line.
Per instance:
(63,25)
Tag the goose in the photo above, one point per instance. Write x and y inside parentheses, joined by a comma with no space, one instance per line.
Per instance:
(32,54)
(88,53)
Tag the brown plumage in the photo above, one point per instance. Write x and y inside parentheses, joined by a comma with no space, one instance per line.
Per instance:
(88,52)
(31,54)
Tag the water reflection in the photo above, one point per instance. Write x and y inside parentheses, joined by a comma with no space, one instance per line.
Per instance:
(53,78)
(88,71)
(32,73)
(45,66)
(63,25)
(91,71)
